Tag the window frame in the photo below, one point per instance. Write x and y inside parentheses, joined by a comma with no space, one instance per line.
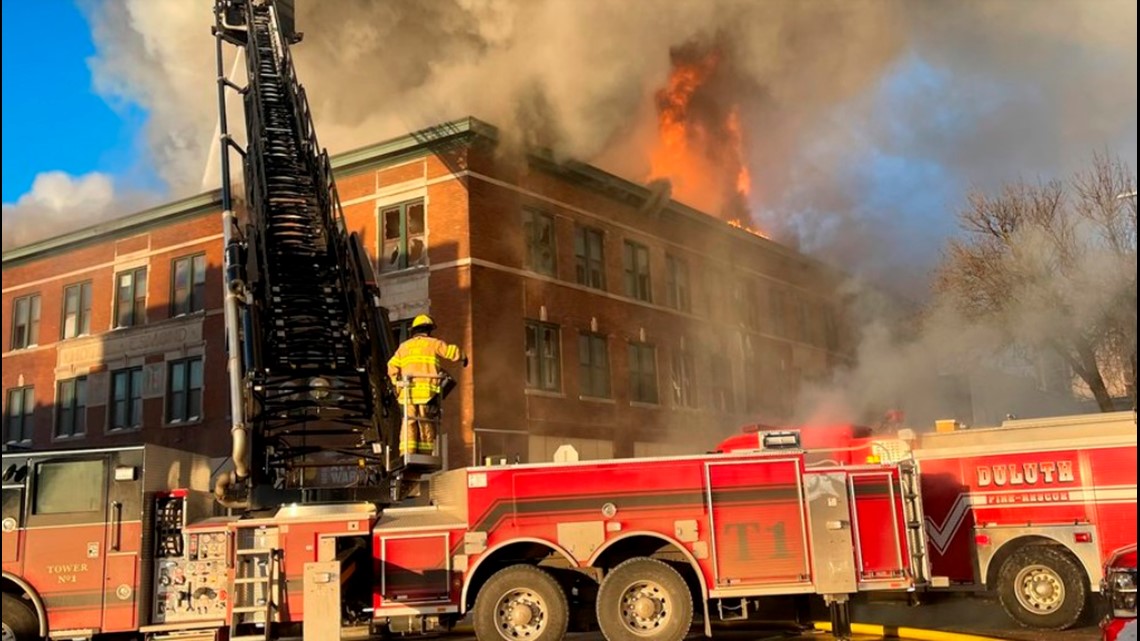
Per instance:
(678,283)
(544,363)
(635,280)
(27,416)
(138,303)
(78,411)
(585,265)
(638,377)
(532,241)
(405,237)
(34,310)
(588,371)
(683,373)
(84,299)
(134,422)
(195,297)
(189,417)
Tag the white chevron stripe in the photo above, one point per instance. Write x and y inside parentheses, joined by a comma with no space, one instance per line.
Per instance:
(941,534)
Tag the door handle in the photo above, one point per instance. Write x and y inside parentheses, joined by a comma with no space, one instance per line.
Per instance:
(116,525)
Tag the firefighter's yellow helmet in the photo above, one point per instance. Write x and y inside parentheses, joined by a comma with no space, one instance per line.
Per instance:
(423,321)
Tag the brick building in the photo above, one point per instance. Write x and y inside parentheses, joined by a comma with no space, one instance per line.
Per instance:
(595,311)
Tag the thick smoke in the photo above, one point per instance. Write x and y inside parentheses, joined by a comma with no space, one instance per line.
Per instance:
(864,123)
(833,95)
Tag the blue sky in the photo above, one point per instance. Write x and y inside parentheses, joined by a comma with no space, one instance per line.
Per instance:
(53,120)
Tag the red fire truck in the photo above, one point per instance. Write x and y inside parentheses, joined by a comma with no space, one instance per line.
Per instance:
(1030,510)
(126,540)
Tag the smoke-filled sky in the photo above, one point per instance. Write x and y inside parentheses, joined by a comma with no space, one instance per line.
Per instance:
(863,122)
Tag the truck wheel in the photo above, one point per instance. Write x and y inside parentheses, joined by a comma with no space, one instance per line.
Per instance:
(521,602)
(20,620)
(644,599)
(1042,587)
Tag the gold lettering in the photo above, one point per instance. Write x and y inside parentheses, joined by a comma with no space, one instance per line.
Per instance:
(1065,471)
(984,476)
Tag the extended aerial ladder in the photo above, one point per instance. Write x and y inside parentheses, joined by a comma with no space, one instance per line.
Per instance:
(308,340)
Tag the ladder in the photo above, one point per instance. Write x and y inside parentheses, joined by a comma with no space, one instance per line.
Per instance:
(255,593)
(915,519)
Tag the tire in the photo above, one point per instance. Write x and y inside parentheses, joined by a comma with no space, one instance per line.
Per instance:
(521,602)
(1042,587)
(644,600)
(20,620)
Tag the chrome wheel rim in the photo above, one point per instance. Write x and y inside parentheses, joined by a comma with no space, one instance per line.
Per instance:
(1039,589)
(520,614)
(646,608)
(9,633)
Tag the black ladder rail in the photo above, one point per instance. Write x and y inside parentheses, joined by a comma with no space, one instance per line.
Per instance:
(315,391)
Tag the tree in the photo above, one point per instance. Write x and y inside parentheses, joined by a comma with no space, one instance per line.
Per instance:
(1053,266)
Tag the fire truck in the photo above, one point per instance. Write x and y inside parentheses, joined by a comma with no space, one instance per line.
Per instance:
(327,528)
(1031,510)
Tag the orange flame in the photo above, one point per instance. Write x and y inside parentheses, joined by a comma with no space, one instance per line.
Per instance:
(700,145)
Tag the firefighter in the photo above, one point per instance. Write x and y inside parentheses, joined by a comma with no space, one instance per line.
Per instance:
(416,372)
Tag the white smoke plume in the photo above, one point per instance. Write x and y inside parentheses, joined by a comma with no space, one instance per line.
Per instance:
(59,201)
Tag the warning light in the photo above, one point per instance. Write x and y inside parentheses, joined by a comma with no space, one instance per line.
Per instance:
(982,539)
(1083,537)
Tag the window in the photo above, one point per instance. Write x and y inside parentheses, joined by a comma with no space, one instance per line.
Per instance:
(753,380)
(184,390)
(126,398)
(26,321)
(715,298)
(642,373)
(684,379)
(722,395)
(677,283)
(777,309)
(77,310)
(21,409)
(538,234)
(189,285)
(71,407)
(69,486)
(830,328)
(799,306)
(589,252)
(543,367)
(130,301)
(636,260)
(594,361)
(404,242)
(748,298)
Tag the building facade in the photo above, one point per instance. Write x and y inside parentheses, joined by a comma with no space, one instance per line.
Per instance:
(597,312)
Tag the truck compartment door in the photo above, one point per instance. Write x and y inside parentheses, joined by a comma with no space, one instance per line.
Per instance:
(758,523)
(879,529)
(415,568)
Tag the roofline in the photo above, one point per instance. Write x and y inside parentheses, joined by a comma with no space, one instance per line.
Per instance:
(410,143)
(138,221)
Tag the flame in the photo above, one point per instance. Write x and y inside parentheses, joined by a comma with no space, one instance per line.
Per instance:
(700,144)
